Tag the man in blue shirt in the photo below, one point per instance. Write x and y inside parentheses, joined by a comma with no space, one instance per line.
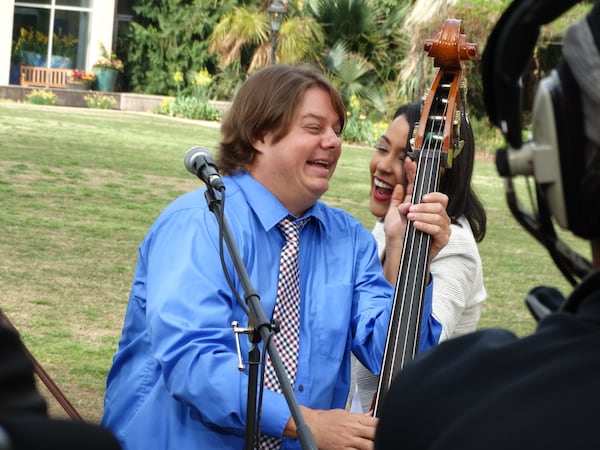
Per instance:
(175,381)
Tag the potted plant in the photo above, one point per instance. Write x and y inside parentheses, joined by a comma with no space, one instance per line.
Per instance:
(32,46)
(80,80)
(64,50)
(107,68)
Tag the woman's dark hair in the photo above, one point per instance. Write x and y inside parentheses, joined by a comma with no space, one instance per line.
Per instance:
(456,182)
(266,102)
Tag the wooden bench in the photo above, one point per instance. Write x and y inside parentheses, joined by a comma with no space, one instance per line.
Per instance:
(43,77)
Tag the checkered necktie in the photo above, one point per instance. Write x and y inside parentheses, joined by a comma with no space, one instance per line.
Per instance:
(287,312)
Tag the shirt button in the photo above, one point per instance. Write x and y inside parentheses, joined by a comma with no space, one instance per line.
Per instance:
(301,388)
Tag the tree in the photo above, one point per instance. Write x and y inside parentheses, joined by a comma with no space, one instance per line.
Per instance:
(244,36)
(358,43)
(168,36)
(371,49)
(364,47)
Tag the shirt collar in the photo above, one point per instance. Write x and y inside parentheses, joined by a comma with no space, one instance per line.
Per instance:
(266,206)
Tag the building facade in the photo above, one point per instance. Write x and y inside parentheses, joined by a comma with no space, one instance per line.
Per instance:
(57,33)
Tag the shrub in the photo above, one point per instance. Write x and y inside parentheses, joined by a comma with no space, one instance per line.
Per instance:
(41,97)
(488,138)
(359,128)
(99,101)
(193,106)
(189,107)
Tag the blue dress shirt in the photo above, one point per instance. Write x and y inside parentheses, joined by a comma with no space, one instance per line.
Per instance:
(175,383)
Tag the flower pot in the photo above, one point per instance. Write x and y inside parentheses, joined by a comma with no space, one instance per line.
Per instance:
(79,85)
(61,62)
(105,80)
(32,59)
(15,74)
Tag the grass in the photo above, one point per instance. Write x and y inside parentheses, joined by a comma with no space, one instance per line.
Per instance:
(79,189)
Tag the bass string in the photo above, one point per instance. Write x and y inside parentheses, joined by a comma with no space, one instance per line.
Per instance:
(429,163)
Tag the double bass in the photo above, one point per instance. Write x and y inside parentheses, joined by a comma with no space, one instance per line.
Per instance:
(436,143)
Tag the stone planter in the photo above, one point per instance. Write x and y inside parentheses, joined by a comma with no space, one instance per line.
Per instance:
(79,85)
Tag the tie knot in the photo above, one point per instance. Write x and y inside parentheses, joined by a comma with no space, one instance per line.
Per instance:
(291,229)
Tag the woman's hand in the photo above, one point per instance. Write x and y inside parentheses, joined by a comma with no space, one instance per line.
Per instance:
(430,217)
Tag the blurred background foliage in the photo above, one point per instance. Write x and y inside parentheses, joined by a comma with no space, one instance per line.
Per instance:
(372,50)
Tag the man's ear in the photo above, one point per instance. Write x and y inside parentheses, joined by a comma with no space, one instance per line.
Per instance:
(260,141)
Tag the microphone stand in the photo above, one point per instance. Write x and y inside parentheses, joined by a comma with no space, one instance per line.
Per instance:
(258,321)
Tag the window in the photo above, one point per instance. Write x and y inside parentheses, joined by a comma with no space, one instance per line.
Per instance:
(65,47)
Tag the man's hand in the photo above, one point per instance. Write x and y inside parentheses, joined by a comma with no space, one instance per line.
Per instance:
(337,429)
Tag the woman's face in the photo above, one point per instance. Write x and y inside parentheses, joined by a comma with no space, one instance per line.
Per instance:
(387,165)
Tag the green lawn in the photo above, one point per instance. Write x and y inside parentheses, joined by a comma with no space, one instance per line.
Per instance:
(78,190)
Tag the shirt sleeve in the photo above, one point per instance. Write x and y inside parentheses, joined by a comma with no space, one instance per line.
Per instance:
(458,291)
(190,308)
(431,329)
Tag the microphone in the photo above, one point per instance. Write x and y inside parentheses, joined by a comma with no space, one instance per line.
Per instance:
(198,161)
